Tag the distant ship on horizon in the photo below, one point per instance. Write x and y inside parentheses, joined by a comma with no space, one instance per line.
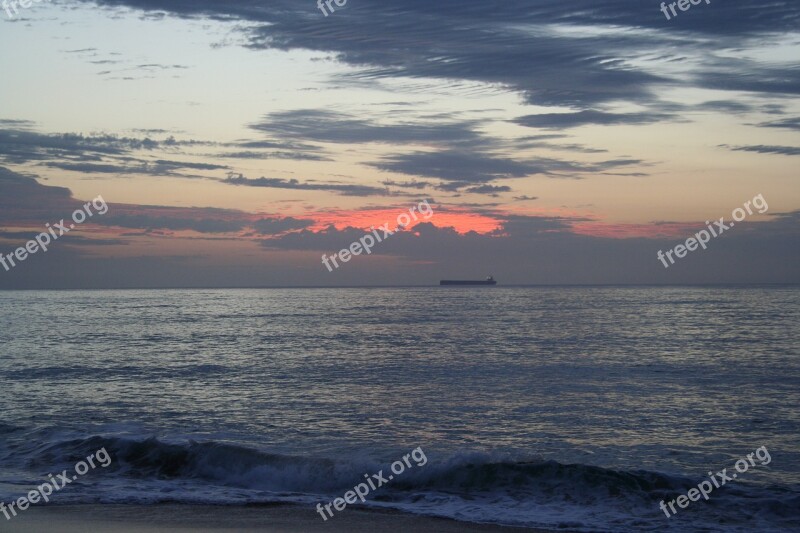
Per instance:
(488,281)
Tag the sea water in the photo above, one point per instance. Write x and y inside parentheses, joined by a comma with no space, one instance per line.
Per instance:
(572,407)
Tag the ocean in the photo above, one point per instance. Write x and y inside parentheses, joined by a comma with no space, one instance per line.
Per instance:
(573,408)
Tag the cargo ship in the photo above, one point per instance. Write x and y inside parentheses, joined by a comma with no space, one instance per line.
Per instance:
(488,281)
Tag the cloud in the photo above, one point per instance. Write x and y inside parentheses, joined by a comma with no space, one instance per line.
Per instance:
(577,54)
(332,127)
(566,147)
(283,145)
(275,226)
(26,202)
(787,123)
(463,151)
(98,154)
(491,190)
(548,250)
(582,118)
(91,168)
(19,238)
(742,74)
(464,168)
(469,41)
(414,184)
(580,55)
(725,106)
(279,183)
(19,146)
(23,199)
(158,66)
(275,149)
(172,165)
(137,166)
(765,149)
(523,249)
(12,123)
(297,156)
(151,218)
(459,169)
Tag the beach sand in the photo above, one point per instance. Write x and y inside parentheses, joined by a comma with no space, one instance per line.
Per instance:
(270,518)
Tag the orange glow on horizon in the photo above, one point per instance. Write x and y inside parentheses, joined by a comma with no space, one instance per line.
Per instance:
(460,220)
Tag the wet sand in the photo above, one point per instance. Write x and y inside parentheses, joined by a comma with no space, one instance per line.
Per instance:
(270,518)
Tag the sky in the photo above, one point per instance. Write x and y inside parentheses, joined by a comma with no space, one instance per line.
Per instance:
(234,143)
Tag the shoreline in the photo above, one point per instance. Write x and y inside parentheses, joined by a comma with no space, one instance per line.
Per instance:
(284,518)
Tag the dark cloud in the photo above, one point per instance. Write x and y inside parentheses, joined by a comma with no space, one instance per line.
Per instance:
(526,249)
(542,137)
(153,131)
(764,149)
(275,226)
(565,147)
(787,123)
(737,17)
(786,223)
(579,55)
(276,149)
(26,202)
(19,124)
(91,168)
(461,169)
(151,218)
(741,74)
(23,199)
(282,145)
(157,66)
(468,167)
(462,154)
(97,154)
(136,166)
(725,106)
(279,183)
(491,190)
(19,238)
(414,184)
(773,109)
(23,146)
(582,118)
(171,165)
(297,156)
(331,127)
(544,50)
(531,249)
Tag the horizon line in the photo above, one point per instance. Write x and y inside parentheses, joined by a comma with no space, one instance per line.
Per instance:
(478,287)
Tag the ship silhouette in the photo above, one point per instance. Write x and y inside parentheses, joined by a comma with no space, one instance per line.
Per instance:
(488,281)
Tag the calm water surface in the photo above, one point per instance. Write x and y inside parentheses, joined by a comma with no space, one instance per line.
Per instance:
(573,407)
